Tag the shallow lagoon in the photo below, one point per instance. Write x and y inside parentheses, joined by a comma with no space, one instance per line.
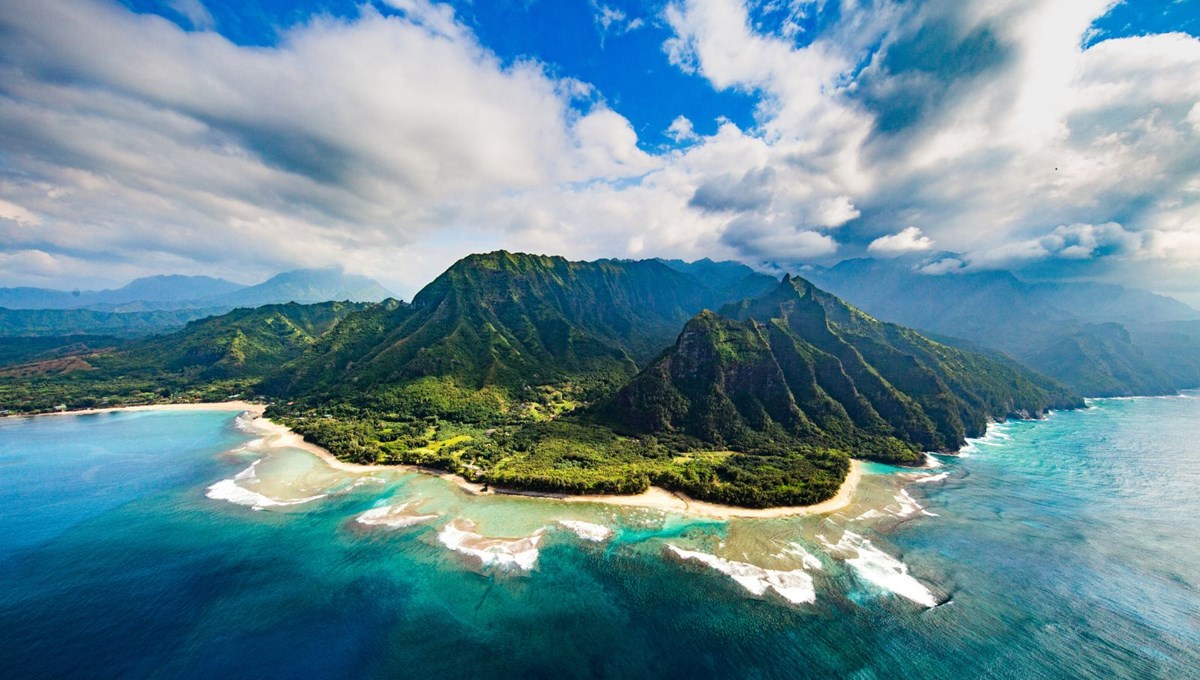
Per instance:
(1067,547)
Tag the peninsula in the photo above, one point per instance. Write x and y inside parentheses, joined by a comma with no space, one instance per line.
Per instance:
(602,378)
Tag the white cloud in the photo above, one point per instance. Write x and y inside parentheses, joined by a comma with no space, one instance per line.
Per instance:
(195,12)
(1095,241)
(394,144)
(681,130)
(18,214)
(608,145)
(613,21)
(836,211)
(942,266)
(907,240)
(347,143)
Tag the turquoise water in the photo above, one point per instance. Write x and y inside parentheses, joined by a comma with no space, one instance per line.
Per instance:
(1068,547)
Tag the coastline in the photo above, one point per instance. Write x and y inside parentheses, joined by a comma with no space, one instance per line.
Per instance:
(657,498)
(236,405)
(654,498)
(277,436)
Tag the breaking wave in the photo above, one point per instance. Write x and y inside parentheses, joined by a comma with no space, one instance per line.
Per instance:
(795,586)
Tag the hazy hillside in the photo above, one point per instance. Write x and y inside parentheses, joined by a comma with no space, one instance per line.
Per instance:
(157,304)
(1078,333)
(306,286)
(171,290)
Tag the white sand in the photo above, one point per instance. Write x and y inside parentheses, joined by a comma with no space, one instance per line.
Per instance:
(656,498)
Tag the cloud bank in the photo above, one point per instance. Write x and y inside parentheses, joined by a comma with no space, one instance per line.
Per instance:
(394,142)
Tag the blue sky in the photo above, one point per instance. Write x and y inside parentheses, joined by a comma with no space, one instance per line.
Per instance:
(1058,140)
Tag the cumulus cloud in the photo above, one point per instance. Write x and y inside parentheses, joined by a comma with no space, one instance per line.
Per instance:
(1031,131)
(907,240)
(393,143)
(681,129)
(346,143)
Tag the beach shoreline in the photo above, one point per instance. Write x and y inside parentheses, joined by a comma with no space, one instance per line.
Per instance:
(235,405)
(276,436)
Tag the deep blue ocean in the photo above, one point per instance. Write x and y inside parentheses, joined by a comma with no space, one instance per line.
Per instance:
(1062,548)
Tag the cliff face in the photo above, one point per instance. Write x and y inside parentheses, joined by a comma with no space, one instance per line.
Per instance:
(800,367)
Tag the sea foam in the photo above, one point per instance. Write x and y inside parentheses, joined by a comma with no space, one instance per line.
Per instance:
(879,568)
(794,586)
(586,530)
(393,516)
(230,490)
(808,559)
(907,506)
(520,553)
(932,478)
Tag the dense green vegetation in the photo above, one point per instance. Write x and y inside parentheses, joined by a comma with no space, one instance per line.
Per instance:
(546,375)
(509,321)
(798,372)
(21,350)
(209,360)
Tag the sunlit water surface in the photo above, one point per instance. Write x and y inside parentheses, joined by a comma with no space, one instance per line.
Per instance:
(174,544)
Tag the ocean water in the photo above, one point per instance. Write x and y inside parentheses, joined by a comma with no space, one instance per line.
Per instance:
(177,544)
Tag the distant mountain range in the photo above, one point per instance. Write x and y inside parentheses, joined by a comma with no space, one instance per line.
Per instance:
(1101,340)
(157,303)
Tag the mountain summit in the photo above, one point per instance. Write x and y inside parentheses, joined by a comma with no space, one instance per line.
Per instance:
(799,368)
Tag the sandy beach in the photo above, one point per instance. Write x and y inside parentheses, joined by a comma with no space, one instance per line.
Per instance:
(276,435)
(661,499)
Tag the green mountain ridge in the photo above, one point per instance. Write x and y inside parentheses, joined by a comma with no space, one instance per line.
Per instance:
(506,321)
(800,367)
(209,359)
(537,373)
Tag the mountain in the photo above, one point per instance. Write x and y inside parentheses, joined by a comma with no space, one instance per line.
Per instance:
(172,290)
(243,342)
(157,304)
(39,298)
(539,373)
(508,321)
(1172,343)
(305,286)
(169,288)
(206,360)
(1100,303)
(800,368)
(26,350)
(32,323)
(734,278)
(1077,333)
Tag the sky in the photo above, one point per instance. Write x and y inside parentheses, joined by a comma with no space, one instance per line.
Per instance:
(1059,139)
